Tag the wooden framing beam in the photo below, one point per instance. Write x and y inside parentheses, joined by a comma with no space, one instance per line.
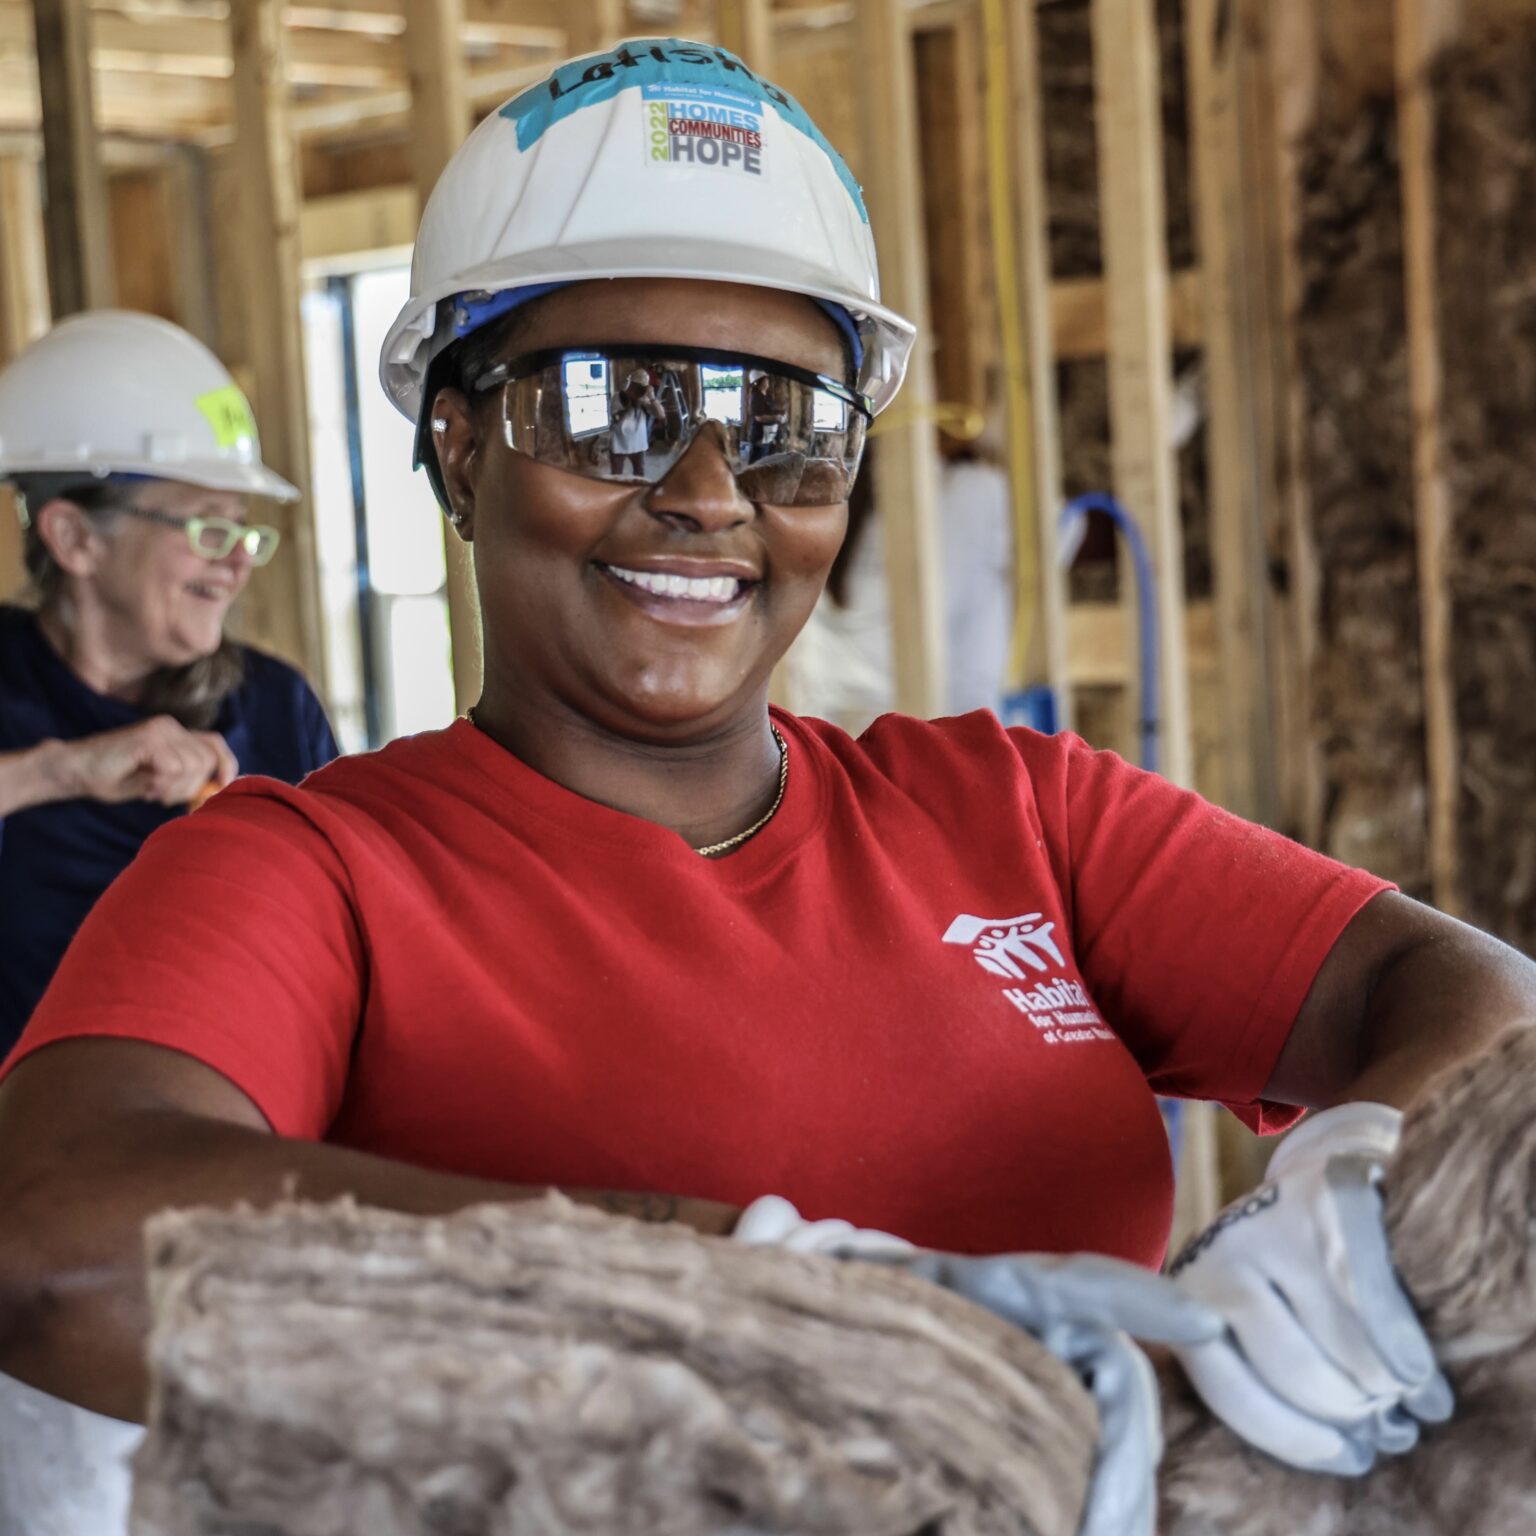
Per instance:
(1128,108)
(189,198)
(284,605)
(1264,235)
(1098,657)
(529,21)
(1080,324)
(441,118)
(199,45)
(23,256)
(382,112)
(595,25)
(531,24)
(1423,29)
(843,13)
(953,182)
(163,105)
(906,466)
(1295,74)
(746,28)
(76,218)
(23,313)
(1025,313)
(337,228)
(699,20)
(1237,441)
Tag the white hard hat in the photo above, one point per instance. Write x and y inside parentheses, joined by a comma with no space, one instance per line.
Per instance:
(662,158)
(113,392)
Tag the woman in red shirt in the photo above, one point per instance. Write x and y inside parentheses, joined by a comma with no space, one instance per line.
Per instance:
(627,931)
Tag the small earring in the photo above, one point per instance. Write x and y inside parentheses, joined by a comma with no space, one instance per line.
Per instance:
(454,517)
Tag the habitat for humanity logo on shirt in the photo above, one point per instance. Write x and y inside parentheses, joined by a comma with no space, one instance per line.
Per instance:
(703,125)
(1024,949)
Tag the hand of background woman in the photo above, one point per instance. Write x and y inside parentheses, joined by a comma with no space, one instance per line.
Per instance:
(157,760)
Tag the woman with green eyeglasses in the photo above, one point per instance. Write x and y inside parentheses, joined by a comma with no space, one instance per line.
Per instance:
(122,701)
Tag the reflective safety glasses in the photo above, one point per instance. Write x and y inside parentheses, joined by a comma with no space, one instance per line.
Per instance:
(216,538)
(626,413)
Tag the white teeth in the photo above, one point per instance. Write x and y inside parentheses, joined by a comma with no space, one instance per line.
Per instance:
(700,589)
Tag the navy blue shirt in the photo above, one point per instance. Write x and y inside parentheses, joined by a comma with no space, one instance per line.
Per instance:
(55,860)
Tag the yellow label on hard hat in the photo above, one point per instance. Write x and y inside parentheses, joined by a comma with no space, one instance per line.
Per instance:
(229,414)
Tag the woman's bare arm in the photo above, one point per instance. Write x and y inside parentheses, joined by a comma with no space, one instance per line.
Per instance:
(1405,994)
(98,1135)
(29,777)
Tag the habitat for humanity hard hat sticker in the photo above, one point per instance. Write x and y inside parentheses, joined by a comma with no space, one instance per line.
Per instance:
(673,62)
(703,125)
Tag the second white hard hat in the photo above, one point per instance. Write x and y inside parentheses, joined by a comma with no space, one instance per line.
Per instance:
(662,158)
(115,392)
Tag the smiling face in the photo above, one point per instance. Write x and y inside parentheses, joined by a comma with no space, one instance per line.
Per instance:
(655,611)
(163,603)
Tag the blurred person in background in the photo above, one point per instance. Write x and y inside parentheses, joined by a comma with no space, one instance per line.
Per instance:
(122,701)
(132,455)
(841,666)
(635,411)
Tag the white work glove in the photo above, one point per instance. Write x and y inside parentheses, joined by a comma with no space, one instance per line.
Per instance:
(1323,1363)
(1082,1308)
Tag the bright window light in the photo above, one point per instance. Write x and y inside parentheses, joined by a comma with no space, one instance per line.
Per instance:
(831,413)
(420,665)
(405,527)
(722,393)
(586,396)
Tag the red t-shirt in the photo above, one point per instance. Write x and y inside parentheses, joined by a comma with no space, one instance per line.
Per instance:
(935,995)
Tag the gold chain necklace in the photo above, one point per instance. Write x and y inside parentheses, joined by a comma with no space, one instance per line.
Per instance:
(715,849)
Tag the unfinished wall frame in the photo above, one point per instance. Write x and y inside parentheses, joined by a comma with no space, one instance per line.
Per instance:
(1256,72)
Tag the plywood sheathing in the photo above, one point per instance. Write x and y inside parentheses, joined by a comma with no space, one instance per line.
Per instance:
(1485,186)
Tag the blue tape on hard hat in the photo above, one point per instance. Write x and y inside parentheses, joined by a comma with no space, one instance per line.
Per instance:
(660,60)
(473,310)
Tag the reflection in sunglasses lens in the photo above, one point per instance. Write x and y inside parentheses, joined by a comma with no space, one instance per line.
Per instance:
(774,481)
(625,418)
